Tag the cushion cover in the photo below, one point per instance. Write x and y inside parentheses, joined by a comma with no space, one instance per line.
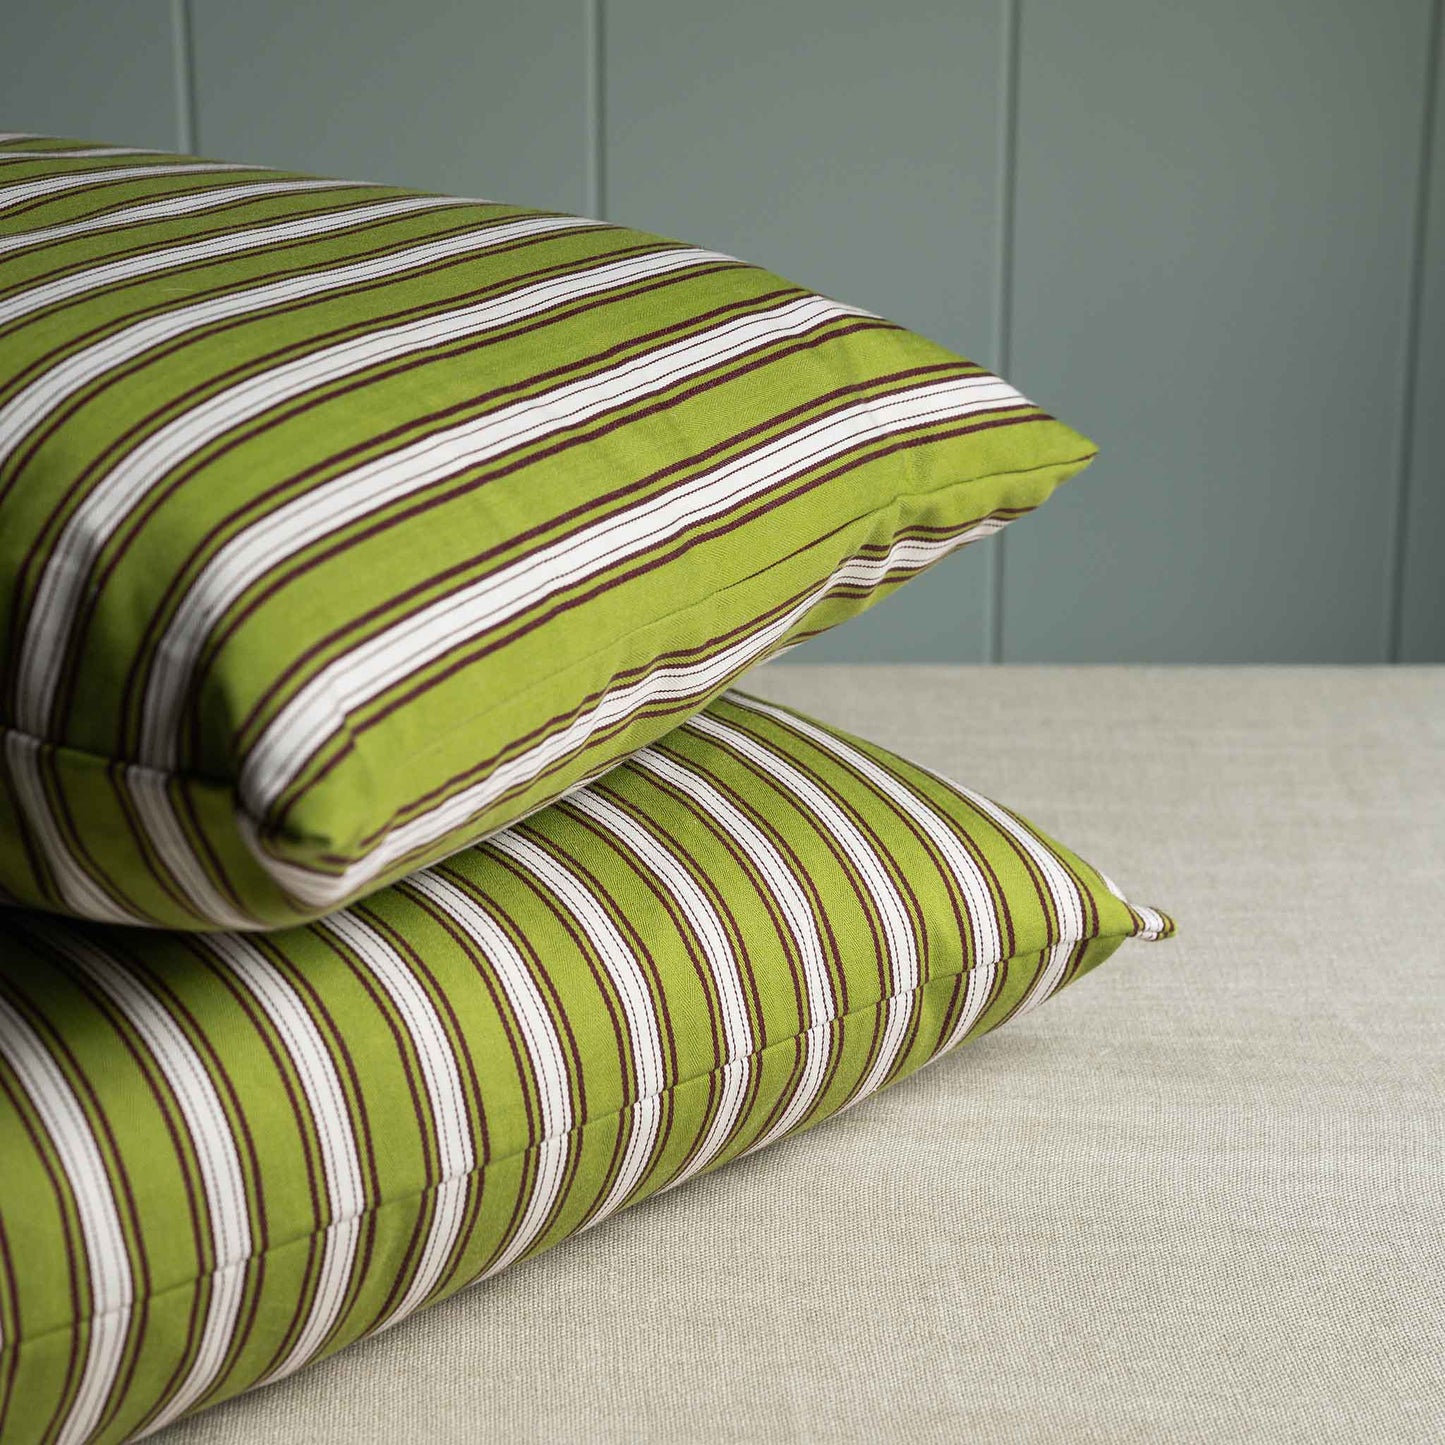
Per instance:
(226,1154)
(341,525)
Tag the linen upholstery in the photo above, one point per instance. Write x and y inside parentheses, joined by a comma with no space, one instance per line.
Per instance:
(340,524)
(227,1154)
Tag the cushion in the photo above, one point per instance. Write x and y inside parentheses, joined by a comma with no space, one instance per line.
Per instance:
(341,525)
(227,1154)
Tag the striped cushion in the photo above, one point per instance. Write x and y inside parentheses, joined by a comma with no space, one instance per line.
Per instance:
(341,525)
(227,1154)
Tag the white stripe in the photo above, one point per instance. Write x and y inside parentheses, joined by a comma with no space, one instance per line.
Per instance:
(9,135)
(322,707)
(112,1291)
(681,684)
(213,248)
(106,506)
(722,964)
(786,891)
(455,1155)
(541,1045)
(900,945)
(333,505)
(86,153)
(164,209)
(325,1098)
(23,191)
(642,1027)
(222,1180)
(78,891)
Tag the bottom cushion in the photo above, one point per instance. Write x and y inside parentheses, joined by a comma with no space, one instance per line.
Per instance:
(226,1155)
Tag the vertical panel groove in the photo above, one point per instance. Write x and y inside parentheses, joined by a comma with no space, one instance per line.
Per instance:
(183,55)
(596,108)
(1404,480)
(1008,91)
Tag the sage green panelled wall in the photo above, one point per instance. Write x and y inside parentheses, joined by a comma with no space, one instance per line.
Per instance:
(1211,235)
(1214,227)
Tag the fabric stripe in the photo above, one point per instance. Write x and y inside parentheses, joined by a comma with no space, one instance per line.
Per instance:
(167,208)
(92,525)
(643,1026)
(353,495)
(78,890)
(455,1156)
(79,153)
(106,1262)
(902,945)
(677,881)
(23,191)
(543,1047)
(148,263)
(983,919)
(984,925)
(335,1132)
(788,894)
(1068,901)
(38,401)
(228,1216)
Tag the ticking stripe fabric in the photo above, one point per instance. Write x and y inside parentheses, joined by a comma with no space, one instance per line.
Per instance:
(227,1154)
(341,525)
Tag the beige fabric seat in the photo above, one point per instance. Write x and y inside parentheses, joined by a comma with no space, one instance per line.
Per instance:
(1198,1198)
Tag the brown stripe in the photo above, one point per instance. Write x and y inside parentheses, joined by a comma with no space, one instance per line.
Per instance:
(223,177)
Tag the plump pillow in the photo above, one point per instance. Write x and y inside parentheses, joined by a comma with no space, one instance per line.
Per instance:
(227,1154)
(341,525)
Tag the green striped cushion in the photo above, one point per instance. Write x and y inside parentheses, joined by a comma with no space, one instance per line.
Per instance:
(227,1154)
(341,525)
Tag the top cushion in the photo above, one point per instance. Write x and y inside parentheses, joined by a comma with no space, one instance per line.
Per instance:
(341,525)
